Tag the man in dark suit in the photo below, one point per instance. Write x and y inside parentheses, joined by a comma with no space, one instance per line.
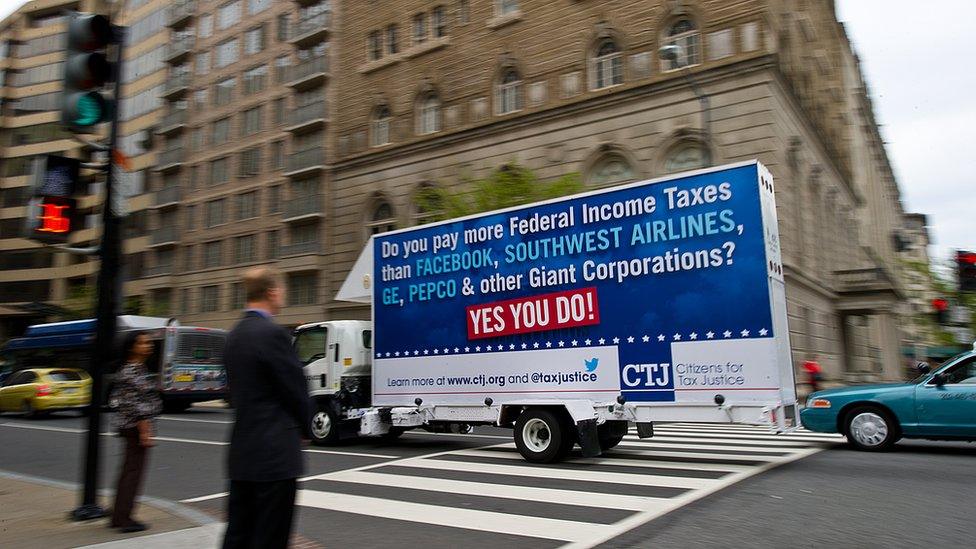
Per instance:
(272,419)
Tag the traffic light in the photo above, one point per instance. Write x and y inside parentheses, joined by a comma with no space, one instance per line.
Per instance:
(52,214)
(86,71)
(966,262)
(940,310)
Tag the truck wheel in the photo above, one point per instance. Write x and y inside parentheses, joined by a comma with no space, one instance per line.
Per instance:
(871,429)
(542,437)
(394,433)
(611,434)
(325,426)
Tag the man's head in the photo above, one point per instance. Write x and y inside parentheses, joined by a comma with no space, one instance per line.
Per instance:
(263,289)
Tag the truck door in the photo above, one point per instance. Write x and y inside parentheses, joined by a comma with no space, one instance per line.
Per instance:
(312,345)
(949,409)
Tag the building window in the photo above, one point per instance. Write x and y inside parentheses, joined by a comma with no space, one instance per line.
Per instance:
(274,199)
(272,248)
(244,249)
(188,258)
(685,35)
(226,52)
(214,214)
(279,111)
(509,98)
(375,46)
(607,66)
(189,217)
(380,134)
(252,121)
(303,289)
(610,169)
(463,12)
(219,171)
(255,80)
(203,63)
(257,6)
(506,7)
(247,205)
(429,118)
(381,219)
(205,26)
(209,299)
(420,28)
(212,254)
(237,296)
(220,131)
(392,45)
(224,91)
(687,155)
(282,27)
(228,14)
(254,40)
(277,155)
(249,162)
(281,68)
(438,22)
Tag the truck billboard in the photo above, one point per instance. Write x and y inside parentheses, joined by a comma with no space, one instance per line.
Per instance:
(667,291)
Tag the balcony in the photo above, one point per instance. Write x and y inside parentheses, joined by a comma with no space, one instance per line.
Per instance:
(176,86)
(170,159)
(180,13)
(301,248)
(311,29)
(174,121)
(179,49)
(306,162)
(308,73)
(167,197)
(307,118)
(164,236)
(302,209)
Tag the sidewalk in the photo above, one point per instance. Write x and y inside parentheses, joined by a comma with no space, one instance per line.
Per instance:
(34,513)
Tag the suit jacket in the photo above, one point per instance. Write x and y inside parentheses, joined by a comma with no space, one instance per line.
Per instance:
(270,398)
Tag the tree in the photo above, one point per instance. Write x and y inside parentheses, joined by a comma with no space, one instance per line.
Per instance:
(512,185)
(79,304)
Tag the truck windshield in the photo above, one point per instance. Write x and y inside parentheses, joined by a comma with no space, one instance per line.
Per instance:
(310,344)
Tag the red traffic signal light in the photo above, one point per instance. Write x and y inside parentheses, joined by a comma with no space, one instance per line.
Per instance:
(53,211)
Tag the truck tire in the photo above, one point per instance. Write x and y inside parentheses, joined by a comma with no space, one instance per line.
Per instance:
(325,425)
(541,436)
(394,433)
(611,434)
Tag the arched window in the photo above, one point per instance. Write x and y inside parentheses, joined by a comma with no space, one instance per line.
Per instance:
(509,96)
(380,130)
(684,34)
(608,66)
(429,116)
(687,155)
(610,169)
(382,218)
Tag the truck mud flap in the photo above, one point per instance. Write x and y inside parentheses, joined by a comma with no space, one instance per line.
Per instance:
(589,440)
(645,429)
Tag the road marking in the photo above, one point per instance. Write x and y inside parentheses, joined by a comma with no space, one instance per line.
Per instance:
(499,437)
(191,420)
(205,498)
(718,443)
(515,456)
(357,454)
(581,474)
(504,491)
(489,521)
(45,428)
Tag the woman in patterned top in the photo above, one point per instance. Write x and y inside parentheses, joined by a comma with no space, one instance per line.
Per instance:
(138,405)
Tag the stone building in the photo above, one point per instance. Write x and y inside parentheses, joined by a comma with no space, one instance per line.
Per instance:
(432,93)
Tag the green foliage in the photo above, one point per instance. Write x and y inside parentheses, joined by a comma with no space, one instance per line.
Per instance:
(80,303)
(512,185)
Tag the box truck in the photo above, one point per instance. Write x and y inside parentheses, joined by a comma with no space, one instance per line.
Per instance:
(567,320)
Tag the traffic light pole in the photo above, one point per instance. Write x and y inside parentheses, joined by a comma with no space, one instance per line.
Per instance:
(108,287)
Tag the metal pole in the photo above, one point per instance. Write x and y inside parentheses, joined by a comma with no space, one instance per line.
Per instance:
(706,112)
(106,310)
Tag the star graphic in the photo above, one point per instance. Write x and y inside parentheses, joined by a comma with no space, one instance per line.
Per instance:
(387,355)
(562,343)
(416,352)
(763,332)
(710,335)
(396,353)
(467,349)
(745,333)
(602,341)
(587,342)
(488,348)
(477,349)
(511,347)
(616,340)
(677,337)
(548,344)
(573,342)
(435,351)
(693,335)
(456,350)
(646,338)
(525,345)
(660,337)
(727,333)
(446,350)
(426,351)
(630,339)
(535,345)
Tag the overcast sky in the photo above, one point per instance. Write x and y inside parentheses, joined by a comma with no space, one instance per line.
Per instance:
(918,64)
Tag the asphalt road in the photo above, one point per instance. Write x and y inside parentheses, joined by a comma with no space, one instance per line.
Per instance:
(701,486)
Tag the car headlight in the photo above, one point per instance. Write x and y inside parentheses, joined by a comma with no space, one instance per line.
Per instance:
(820,403)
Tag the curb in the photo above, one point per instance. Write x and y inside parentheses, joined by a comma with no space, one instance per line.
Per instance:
(197,517)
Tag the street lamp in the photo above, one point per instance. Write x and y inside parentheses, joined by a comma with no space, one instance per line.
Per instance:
(676,55)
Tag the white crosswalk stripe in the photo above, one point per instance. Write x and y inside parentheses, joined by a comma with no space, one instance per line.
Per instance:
(581,502)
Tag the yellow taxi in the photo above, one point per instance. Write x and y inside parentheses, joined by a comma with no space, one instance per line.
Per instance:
(39,391)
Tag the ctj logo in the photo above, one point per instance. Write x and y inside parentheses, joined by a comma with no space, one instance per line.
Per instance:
(591,364)
(647,375)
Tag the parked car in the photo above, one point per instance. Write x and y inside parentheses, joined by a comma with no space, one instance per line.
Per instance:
(940,404)
(38,391)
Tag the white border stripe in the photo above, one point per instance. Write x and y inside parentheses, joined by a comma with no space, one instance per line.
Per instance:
(623,462)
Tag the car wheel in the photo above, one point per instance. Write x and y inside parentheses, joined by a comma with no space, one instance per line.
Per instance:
(871,429)
(611,434)
(28,409)
(325,426)
(542,437)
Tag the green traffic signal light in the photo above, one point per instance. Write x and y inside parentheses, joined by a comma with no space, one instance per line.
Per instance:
(85,109)
(89,111)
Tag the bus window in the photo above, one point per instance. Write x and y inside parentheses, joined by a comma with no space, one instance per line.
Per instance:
(310,344)
(367,339)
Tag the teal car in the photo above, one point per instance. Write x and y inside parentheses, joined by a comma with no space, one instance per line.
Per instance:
(939,404)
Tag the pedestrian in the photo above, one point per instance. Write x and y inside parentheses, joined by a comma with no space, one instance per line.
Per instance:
(272,419)
(814,373)
(139,403)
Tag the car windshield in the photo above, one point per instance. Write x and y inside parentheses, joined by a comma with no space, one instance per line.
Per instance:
(921,377)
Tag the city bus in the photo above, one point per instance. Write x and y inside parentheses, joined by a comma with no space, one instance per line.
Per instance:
(187,362)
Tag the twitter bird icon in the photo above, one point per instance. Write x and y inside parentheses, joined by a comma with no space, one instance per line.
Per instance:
(591,364)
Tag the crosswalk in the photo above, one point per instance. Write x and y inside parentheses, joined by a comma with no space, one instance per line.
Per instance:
(489,496)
